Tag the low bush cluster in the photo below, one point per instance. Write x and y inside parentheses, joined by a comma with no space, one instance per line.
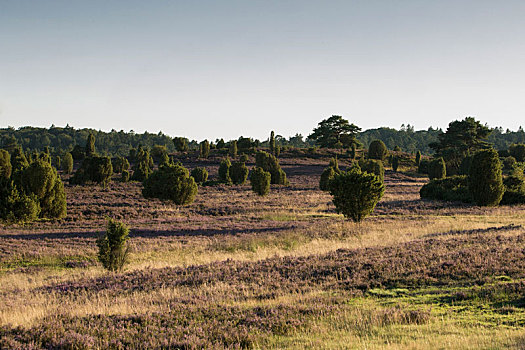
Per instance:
(171,182)
(269,163)
(33,192)
(93,169)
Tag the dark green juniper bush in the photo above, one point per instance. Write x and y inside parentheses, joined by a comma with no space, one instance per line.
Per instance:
(355,193)
(113,249)
(171,182)
(200,175)
(260,181)
(485,180)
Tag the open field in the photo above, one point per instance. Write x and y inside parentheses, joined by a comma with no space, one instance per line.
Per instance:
(234,270)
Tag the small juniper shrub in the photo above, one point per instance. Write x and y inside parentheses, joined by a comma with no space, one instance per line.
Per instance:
(328,174)
(181,144)
(239,173)
(113,250)
(15,206)
(377,150)
(224,171)
(200,175)
(355,193)
(260,181)
(485,180)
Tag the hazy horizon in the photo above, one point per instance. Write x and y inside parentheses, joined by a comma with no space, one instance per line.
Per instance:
(231,68)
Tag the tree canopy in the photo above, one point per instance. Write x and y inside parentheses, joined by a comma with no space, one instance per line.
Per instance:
(462,138)
(335,132)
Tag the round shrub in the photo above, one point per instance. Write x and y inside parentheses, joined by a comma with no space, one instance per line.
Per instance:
(437,169)
(224,171)
(260,181)
(485,181)
(171,182)
(239,173)
(377,150)
(355,194)
(200,175)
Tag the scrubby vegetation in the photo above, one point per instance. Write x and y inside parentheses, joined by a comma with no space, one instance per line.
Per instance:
(171,182)
(260,181)
(269,163)
(231,269)
(113,251)
(355,193)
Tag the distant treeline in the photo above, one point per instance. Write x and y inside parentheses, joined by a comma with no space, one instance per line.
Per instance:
(118,143)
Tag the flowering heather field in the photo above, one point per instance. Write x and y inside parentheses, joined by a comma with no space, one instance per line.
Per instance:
(234,270)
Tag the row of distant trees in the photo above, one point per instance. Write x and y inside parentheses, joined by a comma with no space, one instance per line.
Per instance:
(61,140)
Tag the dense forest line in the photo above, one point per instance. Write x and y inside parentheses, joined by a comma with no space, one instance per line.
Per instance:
(118,143)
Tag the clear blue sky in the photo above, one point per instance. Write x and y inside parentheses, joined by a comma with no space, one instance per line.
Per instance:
(207,69)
